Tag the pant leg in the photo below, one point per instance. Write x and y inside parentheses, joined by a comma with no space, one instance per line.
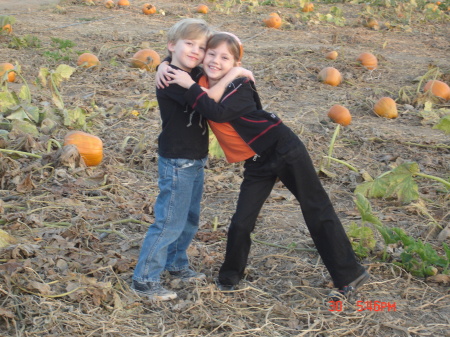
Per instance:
(255,188)
(297,172)
(171,212)
(177,253)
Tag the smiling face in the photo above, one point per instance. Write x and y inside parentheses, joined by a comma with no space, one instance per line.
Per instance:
(187,53)
(218,62)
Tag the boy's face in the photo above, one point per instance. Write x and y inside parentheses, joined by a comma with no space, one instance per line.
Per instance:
(188,53)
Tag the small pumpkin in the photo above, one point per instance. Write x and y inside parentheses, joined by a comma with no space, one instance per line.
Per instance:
(202,9)
(89,146)
(4,67)
(123,3)
(386,107)
(438,88)
(331,76)
(331,55)
(109,4)
(340,114)
(87,60)
(7,28)
(147,59)
(308,7)
(272,21)
(368,60)
(148,9)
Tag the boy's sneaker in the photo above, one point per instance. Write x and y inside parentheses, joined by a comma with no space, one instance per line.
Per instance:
(153,291)
(347,291)
(188,275)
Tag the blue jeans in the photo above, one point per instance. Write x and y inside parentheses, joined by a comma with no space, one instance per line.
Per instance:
(177,213)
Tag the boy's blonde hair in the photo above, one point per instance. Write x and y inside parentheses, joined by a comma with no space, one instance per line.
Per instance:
(188,29)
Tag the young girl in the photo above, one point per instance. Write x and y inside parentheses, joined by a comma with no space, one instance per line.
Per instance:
(270,150)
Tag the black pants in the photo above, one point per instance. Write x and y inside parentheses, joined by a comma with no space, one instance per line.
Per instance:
(289,160)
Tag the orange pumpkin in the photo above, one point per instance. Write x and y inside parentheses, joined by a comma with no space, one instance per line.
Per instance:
(368,60)
(331,76)
(371,23)
(109,4)
(148,9)
(147,59)
(272,21)
(123,3)
(438,88)
(386,107)
(7,28)
(202,9)
(332,55)
(89,146)
(4,67)
(87,60)
(308,7)
(340,114)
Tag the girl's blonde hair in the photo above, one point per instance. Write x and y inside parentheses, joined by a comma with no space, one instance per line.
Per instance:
(190,29)
(234,44)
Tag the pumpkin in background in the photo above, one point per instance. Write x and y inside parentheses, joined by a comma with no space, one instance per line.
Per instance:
(340,114)
(273,21)
(123,3)
(368,60)
(331,76)
(386,107)
(109,4)
(147,59)
(202,9)
(148,9)
(308,7)
(87,60)
(5,67)
(89,146)
(7,28)
(438,88)
(332,55)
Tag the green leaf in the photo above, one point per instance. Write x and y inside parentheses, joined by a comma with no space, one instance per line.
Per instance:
(365,209)
(6,100)
(43,74)
(25,93)
(215,150)
(444,124)
(64,71)
(75,118)
(397,183)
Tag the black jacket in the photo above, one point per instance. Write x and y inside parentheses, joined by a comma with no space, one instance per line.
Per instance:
(184,132)
(240,106)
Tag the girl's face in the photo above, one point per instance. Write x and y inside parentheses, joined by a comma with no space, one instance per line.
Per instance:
(218,62)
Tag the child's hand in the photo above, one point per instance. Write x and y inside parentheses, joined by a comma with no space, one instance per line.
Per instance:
(242,72)
(180,77)
(162,75)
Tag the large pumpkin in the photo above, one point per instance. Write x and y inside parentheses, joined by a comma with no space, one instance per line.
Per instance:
(438,88)
(147,59)
(89,146)
(386,107)
(331,76)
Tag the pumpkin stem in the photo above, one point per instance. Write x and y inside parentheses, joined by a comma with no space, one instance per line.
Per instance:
(333,140)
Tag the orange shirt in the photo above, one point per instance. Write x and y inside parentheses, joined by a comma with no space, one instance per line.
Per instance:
(232,144)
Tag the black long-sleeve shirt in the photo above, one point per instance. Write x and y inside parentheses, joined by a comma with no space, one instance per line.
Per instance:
(184,131)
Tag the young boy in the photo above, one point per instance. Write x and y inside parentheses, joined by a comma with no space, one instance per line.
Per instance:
(182,150)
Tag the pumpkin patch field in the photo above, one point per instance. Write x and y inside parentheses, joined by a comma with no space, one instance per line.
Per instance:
(365,85)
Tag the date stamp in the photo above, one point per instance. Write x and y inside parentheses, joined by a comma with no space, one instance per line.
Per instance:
(365,306)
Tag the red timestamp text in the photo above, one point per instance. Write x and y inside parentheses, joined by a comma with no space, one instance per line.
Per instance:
(365,306)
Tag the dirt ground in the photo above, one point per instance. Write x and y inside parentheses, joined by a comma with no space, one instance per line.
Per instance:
(79,230)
